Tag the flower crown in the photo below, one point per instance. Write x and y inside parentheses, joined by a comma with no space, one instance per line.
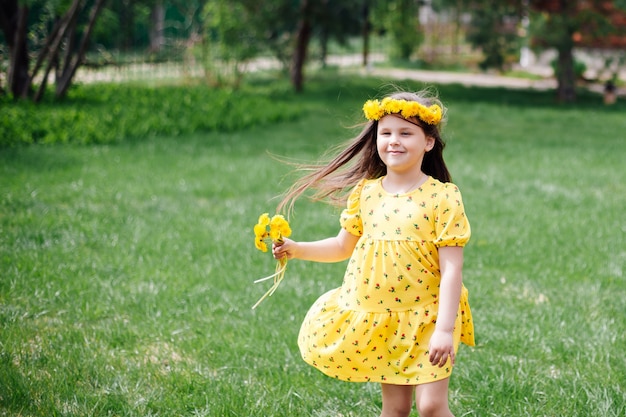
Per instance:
(376,109)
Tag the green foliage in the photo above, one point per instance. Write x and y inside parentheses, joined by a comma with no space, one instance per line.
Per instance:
(237,31)
(234,29)
(400,18)
(557,29)
(579,68)
(493,32)
(554,30)
(107,31)
(105,113)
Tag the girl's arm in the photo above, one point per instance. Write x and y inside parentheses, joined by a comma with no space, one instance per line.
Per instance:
(451,266)
(332,249)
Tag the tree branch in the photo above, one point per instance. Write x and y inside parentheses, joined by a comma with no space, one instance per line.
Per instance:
(60,34)
(63,84)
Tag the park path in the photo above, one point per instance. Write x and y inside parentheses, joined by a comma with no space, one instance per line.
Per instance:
(545,81)
(471,79)
(465,78)
(350,64)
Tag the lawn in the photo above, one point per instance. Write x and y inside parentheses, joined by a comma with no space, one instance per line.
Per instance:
(128,268)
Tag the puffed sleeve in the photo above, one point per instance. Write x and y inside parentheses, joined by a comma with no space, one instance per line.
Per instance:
(452,227)
(351,216)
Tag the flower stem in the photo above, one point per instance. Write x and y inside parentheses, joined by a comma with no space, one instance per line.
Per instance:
(278,276)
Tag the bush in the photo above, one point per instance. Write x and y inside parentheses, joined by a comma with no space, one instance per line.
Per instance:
(107,113)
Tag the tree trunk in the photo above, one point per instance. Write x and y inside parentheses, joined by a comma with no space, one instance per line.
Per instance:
(67,24)
(13,19)
(157,25)
(48,48)
(324,38)
(63,84)
(566,78)
(456,50)
(366,32)
(70,42)
(302,43)
(126,16)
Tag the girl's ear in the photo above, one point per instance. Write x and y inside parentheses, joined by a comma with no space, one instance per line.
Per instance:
(430,143)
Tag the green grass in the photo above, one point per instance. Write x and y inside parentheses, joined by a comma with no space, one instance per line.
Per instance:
(127,268)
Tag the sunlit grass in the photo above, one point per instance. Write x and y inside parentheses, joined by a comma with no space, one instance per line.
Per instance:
(128,269)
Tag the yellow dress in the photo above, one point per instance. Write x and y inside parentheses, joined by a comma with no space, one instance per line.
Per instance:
(377,325)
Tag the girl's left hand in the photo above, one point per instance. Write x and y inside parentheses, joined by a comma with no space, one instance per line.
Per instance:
(441,348)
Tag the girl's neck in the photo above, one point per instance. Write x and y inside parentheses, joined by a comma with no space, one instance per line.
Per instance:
(403,183)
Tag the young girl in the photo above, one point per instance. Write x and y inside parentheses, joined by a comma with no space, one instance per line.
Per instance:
(402,309)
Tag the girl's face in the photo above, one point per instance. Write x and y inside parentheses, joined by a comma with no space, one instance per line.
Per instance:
(401,144)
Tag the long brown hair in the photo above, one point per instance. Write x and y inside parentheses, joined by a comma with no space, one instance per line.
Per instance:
(358,159)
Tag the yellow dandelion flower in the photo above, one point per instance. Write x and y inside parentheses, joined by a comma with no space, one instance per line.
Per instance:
(279,228)
(410,109)
(260,234)
(393,107)
(264,219)
(260,245)
(260,231)
(372,110)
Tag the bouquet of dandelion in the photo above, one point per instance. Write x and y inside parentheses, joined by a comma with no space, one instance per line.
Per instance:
(274,229)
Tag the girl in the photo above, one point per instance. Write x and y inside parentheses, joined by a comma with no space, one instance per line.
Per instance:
(402,309)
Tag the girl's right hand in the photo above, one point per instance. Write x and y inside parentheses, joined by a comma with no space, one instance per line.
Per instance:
(284,249)
(332,249)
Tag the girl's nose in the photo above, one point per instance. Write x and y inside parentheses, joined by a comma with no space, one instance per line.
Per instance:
(394,138)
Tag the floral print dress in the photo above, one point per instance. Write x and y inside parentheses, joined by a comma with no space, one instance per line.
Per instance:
(377,325)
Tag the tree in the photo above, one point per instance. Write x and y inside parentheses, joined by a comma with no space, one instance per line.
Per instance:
(13,19)
(556,27)
(327,21)
(494,31)
(365,29)
(245,28)
(564,23)
(303,36)
(558,24)
(400,19)
(233,28)
(63,48)
(157,24)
